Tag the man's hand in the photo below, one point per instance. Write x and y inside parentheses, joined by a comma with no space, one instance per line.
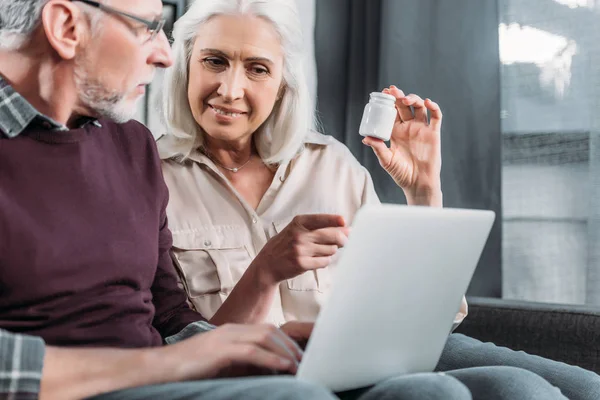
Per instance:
(231,350)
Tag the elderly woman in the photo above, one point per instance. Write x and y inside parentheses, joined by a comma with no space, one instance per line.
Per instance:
(260,203)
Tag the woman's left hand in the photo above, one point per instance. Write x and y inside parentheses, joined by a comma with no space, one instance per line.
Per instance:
(414,158)
(298,331)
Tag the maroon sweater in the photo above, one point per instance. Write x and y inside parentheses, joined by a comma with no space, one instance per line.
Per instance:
(84,243)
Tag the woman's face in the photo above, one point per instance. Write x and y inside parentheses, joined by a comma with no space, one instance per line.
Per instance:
(236,71)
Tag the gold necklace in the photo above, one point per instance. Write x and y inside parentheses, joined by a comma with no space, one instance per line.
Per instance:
(235,169)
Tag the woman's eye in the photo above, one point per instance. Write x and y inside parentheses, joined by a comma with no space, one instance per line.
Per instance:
(213,62)
(259,71)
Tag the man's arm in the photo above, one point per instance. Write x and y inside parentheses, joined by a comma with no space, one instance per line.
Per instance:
(173,313)
(21,361)
(29,369)
(72,373)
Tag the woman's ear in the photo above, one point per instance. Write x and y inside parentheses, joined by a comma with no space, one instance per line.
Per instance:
(61,24)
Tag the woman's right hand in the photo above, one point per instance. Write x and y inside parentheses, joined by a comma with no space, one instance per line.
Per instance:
(307,243)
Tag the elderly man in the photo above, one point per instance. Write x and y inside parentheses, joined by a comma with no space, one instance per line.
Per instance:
(88,292)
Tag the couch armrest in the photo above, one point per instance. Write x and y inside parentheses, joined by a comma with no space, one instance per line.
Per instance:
(566,333)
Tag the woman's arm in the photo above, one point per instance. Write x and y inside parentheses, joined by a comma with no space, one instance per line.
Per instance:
(250,300)
(306,244)
(431,197)
(414,157)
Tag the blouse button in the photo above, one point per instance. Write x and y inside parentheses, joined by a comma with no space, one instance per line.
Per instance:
(207,243)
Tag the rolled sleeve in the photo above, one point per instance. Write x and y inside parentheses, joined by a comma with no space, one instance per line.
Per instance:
(21,363)
(462,313)
(192,329)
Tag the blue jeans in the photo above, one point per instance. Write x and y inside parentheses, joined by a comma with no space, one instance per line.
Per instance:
(491,383)
(464,352)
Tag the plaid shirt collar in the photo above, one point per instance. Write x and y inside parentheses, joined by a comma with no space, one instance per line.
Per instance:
(16,114)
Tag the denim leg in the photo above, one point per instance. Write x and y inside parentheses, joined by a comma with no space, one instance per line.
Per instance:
(464,352)
(422,386)
(485,383)
(278,388)
(506,383)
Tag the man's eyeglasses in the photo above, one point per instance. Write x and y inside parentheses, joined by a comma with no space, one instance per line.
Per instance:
(153,27)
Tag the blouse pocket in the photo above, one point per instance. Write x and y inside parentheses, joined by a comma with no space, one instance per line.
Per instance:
(210,260)
(316,280)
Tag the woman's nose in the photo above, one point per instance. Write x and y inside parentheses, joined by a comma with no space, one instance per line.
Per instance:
(232,86)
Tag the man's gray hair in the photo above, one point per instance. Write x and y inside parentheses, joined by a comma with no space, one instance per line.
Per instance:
(18,20)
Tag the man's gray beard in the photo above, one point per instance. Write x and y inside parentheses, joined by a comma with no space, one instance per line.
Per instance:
(105,103)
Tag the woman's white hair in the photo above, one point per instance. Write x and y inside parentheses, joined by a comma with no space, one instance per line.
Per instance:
(281,137)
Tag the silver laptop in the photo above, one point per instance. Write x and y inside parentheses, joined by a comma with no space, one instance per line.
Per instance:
(396,290)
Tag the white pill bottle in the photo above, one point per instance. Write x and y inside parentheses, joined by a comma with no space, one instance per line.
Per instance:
(379,116)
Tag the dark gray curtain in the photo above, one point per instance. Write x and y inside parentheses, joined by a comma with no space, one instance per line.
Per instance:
(445,50)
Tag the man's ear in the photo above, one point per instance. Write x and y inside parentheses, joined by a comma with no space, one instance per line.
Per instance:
(64,24)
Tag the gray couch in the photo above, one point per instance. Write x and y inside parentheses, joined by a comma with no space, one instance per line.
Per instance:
(566,333)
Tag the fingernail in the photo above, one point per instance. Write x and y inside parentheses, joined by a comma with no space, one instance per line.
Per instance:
(299,349)
(285,362)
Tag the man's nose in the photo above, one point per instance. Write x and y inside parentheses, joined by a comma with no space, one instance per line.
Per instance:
(162,55)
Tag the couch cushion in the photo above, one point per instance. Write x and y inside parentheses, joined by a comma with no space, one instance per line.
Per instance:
(566,333)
